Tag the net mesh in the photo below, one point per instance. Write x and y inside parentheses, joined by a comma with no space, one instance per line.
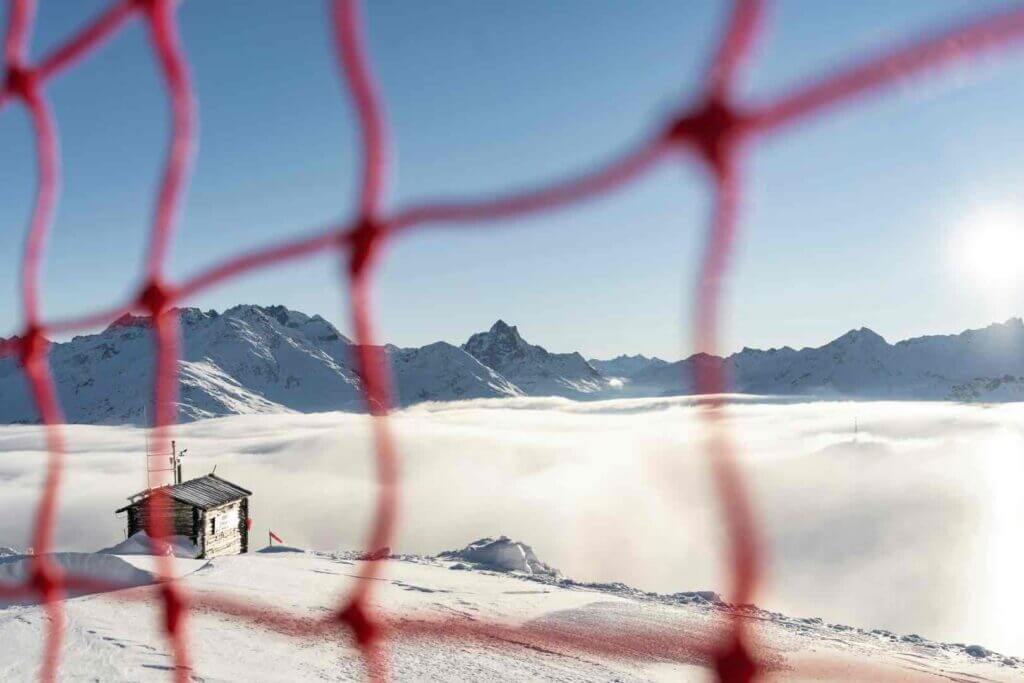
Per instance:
(714,131)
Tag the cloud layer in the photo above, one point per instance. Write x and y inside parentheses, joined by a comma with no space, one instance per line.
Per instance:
(912,523)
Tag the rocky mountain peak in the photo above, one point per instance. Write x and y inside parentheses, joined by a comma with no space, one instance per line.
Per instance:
(186,316)
(499,343)
(861,337)
(285,316)
(1012,326)
(129,320)
(532,367)
(503,330)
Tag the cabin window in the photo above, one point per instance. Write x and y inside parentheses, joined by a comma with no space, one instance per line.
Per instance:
(213,525)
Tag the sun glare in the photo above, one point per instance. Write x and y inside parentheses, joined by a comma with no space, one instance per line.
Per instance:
(988,250)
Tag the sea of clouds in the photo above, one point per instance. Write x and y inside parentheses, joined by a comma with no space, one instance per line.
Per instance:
(912,521)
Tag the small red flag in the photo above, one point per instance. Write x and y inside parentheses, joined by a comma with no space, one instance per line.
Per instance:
(275,537)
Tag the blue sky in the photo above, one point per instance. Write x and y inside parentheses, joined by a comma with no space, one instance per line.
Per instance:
(848,221)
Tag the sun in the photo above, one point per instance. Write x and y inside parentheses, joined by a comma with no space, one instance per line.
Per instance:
(989,250)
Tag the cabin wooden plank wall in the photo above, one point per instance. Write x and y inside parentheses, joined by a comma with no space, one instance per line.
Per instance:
(243,523)
(224,530)
(177,515)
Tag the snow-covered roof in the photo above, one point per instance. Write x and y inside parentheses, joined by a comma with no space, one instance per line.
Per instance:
(206,492)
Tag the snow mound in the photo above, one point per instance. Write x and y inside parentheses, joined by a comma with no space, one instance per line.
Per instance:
(280,549)
(142,544)
(107,568)
(502,554)
(698,596)
(977,651)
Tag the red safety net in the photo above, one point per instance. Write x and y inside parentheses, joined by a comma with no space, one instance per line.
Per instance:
(714,130)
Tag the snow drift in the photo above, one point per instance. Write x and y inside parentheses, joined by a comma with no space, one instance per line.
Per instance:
(141,544)
(501,554)
(16,569)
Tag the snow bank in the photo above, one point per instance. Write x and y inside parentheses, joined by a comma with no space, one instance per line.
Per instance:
(17,568)
(142,544)
(502,554)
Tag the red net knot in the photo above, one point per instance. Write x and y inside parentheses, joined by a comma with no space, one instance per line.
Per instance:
(32,345)
(155,298)
(20,81)
(363,241)
(713,129)
(364,630)
(734,663)
(147,5)
(175,606)
(45,580)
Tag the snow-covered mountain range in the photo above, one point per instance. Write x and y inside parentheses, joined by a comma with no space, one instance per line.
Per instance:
(626,366)
(975,365)
(253,359)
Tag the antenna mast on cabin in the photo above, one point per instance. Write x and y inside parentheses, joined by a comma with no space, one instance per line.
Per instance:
(158,463)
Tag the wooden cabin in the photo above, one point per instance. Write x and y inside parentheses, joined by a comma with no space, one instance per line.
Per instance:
(212,512)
